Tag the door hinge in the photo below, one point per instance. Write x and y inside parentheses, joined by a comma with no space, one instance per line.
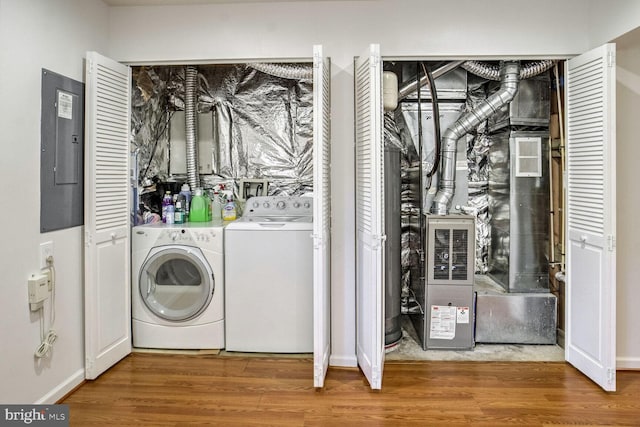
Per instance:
(611,375)
(611,243)
(611,59)
(90,66)
(378,240)
(87,238)
(88,366)
(318,371)
(318,241)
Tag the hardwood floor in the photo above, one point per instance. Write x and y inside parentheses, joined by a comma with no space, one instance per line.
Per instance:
(186,390)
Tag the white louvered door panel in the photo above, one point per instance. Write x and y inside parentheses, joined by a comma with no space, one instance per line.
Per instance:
(591,213)
(107,214)
(369,216)
(321,216)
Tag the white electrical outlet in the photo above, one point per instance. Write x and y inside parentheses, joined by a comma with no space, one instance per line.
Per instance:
(46,251)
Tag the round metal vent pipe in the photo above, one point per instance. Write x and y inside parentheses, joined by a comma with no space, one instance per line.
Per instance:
(510,78)
(191,125)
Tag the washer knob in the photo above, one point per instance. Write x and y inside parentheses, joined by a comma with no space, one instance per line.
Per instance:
(174,235)
(296,205)
(266,205)
(255,204)
(307,205)
(281,204)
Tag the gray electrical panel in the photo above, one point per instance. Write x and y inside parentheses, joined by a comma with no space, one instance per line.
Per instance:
(61,153)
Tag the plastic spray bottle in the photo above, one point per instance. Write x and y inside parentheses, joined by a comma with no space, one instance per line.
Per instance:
(229,210)
(185,191)
(167,201)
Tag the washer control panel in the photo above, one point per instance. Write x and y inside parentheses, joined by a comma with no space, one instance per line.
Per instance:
(290,206)
(185,236)
(206,238)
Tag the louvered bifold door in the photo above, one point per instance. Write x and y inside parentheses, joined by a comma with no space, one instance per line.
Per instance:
(107,214)
(369,216)
(321,216)
(591,189)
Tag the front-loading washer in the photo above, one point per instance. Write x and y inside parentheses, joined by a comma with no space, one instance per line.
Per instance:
(177,292)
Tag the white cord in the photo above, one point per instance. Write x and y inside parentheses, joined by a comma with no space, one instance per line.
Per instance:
(52,277)
(47,340)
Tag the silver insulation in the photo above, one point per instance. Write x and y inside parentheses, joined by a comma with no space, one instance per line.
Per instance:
(191,125)
(149,121)
(510,77)
(477,161)
(262,125)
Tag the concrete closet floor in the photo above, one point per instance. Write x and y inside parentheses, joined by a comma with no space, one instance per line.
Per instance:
(410,349)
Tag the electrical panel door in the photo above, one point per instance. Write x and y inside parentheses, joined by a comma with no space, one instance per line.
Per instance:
(61,153)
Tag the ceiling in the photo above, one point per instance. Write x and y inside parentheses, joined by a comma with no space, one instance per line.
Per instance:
(183,2)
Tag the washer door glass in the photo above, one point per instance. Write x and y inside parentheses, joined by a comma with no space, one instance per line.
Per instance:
(176,282)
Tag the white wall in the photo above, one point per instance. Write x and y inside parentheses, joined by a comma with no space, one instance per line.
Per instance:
(411,28)
(36,34)
(628,200)
(608,20)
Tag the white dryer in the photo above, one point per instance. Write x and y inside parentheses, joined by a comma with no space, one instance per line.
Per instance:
(178,286)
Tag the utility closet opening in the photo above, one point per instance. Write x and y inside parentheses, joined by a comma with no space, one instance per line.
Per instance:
(249,132)
(473,214)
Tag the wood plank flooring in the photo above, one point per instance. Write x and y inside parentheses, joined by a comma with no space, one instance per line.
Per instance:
(185,390)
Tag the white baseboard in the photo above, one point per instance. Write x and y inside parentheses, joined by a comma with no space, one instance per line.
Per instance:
(62,389)
(344,361)
(631,363)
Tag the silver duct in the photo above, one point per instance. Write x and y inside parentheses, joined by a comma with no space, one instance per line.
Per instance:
(510,78)
(191,125)
(286,71)
(410,87)
(492,72)
(481,69)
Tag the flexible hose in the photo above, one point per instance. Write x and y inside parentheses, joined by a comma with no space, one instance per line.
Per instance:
(191,125)
(286,71)
(492,72)
(436,120)
(421,222)
(562,165)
